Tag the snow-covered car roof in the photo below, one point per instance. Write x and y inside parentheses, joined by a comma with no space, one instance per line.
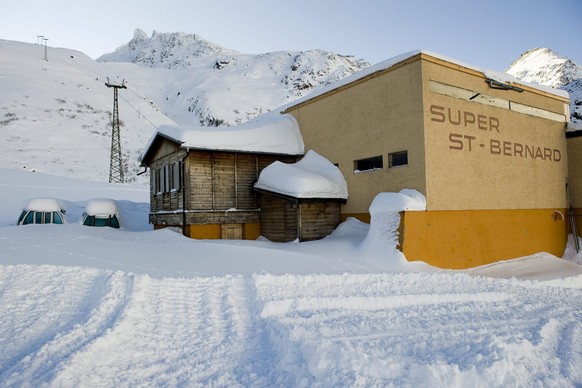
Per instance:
(101,207)
(42,205)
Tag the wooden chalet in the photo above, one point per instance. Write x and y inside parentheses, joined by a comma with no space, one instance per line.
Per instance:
(202,178)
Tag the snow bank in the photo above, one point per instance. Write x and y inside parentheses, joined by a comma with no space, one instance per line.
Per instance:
(71,195)
(312,177)
(405,199)
(270,133)
(249,313)
(398,330)
(381,241)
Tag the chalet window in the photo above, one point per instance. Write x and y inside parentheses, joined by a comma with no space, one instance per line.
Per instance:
(166,178)
(397,159)
(156,179)
(175,176)
(369,164)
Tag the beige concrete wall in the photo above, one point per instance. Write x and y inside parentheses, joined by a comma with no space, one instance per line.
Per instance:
(366,119)
(483,154)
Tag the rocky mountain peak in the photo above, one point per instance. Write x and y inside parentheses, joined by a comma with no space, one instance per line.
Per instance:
(166,50)
(545,67)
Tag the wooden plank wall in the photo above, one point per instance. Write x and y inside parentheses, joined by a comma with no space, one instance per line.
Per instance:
(200,180)
(278,219)
(318,219)
(247,175)
(225,180)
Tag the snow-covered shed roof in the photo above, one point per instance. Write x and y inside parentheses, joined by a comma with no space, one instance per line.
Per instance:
(271,133)
(501,77)
(312,177)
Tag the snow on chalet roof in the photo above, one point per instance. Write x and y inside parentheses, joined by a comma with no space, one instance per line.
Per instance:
(271,133)
(312,177)
(385,65)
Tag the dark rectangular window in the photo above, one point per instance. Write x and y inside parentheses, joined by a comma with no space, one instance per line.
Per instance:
(396,159)
(175,175)
(369,164)
(157,181)
(166,178)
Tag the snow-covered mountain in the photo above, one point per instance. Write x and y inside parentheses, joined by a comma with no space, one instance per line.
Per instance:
(55,115)
(224,87)
(545,67)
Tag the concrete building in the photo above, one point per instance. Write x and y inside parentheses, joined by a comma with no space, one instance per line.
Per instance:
(489,155)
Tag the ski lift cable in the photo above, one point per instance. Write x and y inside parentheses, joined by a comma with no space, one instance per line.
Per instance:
(87,72)
(137,110)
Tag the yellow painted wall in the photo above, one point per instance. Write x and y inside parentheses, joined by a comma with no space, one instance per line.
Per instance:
(476,156)
(252,231)
(578,219)
(463,239)
(212,231)
(203,231)
(366,119)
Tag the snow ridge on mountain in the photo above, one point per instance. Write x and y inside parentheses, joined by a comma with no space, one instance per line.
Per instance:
(166,50)
(246,85)
(545,67)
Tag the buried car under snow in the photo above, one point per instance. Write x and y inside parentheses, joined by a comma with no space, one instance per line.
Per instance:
(41,211)
(101,212)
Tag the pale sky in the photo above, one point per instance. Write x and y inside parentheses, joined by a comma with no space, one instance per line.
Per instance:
(487,33)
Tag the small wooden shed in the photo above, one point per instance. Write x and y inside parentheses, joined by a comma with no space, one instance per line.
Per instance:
(300,201)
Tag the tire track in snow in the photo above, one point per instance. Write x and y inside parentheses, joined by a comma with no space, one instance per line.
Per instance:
(258,367)
(89,299)
(173,332)
(408,329)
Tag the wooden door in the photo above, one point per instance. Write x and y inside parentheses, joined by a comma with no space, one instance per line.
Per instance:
(231,231)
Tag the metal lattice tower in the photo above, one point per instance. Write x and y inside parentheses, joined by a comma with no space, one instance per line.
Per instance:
(45,49)
(116,163)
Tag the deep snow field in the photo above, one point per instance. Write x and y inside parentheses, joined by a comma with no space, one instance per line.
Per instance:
(84,306)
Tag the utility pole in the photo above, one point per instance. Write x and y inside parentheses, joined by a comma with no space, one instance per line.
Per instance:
(45,50)
(115,163)
(39,39)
